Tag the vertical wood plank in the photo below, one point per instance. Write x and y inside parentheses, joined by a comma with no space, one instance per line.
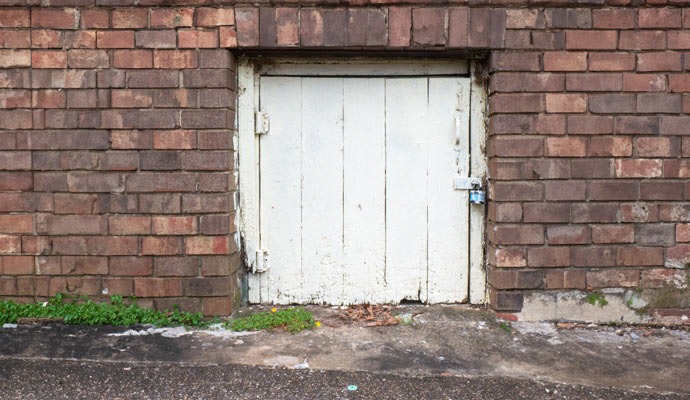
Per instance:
(406,188)
(478,285)
(448,208)
(364,190)
(322,189)
(280,217)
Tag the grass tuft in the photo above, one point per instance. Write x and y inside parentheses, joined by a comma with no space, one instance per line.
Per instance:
(292,320)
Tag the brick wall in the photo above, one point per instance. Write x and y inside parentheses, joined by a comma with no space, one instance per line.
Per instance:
(116,158)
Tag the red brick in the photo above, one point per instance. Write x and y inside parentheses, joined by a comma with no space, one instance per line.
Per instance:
(287,26)
(553,279)
(157,287)
(510,258)
(43,38)
(161,246)
(228,37)
(664,278)
(15,98)
(400,25)
(172,17)
(613,19)
(88,59)
(14,18)
(679,83)
(219,266)
(550,124)
(654,190)
(115,39)
(637,168)
(131,139)
(212,306)
(131,99)
(66,18)
(565,147)
(613,278)
(639,212)
(518,191)
(175,225)
(548,257)
(517,146)
(428,26)
(678,257)
(611,62)
(177,266)
(565,190)
(679,40)
(76,203)
(527,82)
(16,223)
(591,40)
(95,19)
(198,38)
(80,39)
(160,203)
(659,18)
(130,225)
(565,61)
(683,233)
(71,224)
(178,139)
(676,168)
(568,234)
(644,82)
(546,212)
(672,125)
(15,39)
(17,265)
(611,146)
(130,18)
(133,59)
(48,59)
(15,58)
(594,82)
(640,256)
(613,234)
(613,190)
(566,102)
(207,245)
(159,39)
(84,265)
(502,279)
(642,40)
(659,61)
(121,286)
(174,59)
(458,19)
(594,212)
(514,61)
(206,16)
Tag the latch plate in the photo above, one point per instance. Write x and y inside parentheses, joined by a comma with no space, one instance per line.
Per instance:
(467,183)
(261,264)
(261,123)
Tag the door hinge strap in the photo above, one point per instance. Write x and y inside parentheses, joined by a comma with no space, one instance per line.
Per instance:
(261,123)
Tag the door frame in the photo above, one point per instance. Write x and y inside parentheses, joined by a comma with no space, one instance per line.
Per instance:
(249,71)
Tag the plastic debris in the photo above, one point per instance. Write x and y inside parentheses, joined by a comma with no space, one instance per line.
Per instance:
(9,326)
(352,388)
(634,336)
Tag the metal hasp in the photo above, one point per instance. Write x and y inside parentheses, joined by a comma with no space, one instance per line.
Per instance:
(261,123)
(474,185)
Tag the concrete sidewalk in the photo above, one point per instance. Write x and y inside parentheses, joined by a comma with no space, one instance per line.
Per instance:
(442,342)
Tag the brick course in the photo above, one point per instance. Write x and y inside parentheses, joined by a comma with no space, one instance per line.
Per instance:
(116,154)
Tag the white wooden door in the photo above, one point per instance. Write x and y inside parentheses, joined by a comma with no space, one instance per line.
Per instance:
(356,198)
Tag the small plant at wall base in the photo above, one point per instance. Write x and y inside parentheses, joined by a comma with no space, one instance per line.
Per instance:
(82,311)
(596,299)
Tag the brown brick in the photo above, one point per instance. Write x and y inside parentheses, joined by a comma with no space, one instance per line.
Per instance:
(16,224)
(335,30)
(121,286)
(212,306)
(174,225)
(661,191)
(611,146)
(160,203)
(527,82)
(71,224)
(177,139)
(638,168)
(287,26)
(163,39)
(95,19)
(640,256)
(81,265)
(66,18)
(683,233)
(657,147)
(44,38)
(672,125)
(160,160)
(115,39)
(458,19)
(522,191)
(613,278)
(515,103)
(129,225)
(565,61)
(639,212)
(161,182)
(603,82)
(215,59)
(514,61)
(207,245)
(157,287)
(152,79)
(161,245)
(613,190)
(131,266)
(48,59)
(678,256)
(197,38)
(17,39)
(174,59)
(548,257)
(550,124)
(574,279)
(611,62)
(130,18)
(428,26)
(566,102)
(594,212)
(505,301)
(517,147)
(177,266)
(565,190)
(568,234)
(591,40)
(215,224)
(613,234)
(659,18)
(655,235)
(546,212)
(589,125)
(679,40)
(642,40)
(664,278)
(15,58)
(207,287)
(644,83)
(553,279)
(612,103)
(594,256)
(17,265)
(503,279)
(510,258)
(88,59)
(565,147)
(613,19)
(659,61)
(228,37)
(518,234)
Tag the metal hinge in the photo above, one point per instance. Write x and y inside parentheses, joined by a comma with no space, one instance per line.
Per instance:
(261,264)
(261,123)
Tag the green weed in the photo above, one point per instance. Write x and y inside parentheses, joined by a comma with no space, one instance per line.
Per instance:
(506,327)
(292,320)
(596,299)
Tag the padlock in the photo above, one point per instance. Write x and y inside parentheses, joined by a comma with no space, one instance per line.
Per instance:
(477,196)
